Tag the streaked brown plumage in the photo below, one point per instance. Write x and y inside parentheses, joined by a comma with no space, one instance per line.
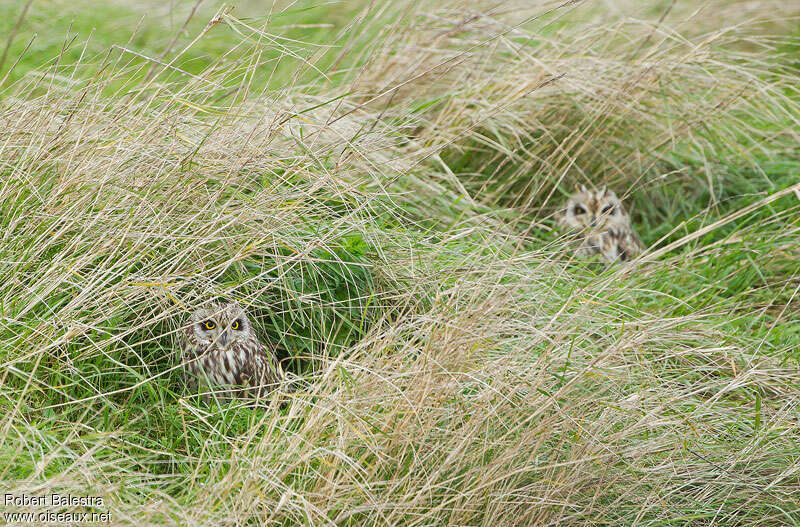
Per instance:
(602,225)
(223,357)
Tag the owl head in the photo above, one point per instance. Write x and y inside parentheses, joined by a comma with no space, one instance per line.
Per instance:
(593,210)
(221,325)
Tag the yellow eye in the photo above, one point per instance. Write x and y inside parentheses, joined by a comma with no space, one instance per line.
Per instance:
(209,324)
(235,324)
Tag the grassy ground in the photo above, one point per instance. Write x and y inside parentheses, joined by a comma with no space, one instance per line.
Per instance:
(376,183)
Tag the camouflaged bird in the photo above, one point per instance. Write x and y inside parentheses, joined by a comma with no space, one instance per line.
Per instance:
(601,224)
(223,357)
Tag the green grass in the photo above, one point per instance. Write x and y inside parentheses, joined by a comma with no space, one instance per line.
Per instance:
(383,207)
(298,43)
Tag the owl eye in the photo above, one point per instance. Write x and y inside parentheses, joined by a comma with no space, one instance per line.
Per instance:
(235,324)
(609,209)
(209,324)
(578,210)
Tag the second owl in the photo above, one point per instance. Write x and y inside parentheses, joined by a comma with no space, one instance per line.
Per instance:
(602,225)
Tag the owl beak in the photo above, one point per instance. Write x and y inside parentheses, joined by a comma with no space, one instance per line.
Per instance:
(223,339)
(594,222)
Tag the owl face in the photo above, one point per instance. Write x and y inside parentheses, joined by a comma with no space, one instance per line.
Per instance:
(222,325)
(594,210)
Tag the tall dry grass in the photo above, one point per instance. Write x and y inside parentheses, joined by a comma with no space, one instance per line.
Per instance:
(386,220)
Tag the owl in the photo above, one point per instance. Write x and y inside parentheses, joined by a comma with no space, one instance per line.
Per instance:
(603,226)
(223,356)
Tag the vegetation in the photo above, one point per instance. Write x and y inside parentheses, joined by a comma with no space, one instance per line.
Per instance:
(376,182)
